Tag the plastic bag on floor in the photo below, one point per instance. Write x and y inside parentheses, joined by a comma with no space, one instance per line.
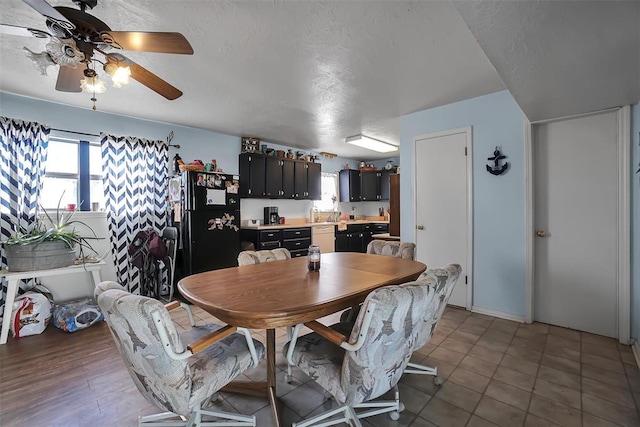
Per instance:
(31,314)
(74,315)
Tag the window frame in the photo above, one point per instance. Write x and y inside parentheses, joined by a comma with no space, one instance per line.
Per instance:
(84,176)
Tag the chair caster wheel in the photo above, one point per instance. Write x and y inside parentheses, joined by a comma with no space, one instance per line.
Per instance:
(437,380)
(395,416)
(287,378)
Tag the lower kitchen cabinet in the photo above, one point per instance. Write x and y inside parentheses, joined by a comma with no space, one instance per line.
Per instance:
(357,237)
(296,240)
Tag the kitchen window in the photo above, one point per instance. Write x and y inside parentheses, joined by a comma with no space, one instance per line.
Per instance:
(329,184)
(73,172)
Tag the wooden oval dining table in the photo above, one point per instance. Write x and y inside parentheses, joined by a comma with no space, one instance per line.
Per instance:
(285,293)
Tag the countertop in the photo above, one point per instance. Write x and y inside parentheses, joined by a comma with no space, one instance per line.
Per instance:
(310,224)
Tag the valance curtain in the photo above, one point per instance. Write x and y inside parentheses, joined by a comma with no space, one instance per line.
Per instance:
(134,173)
(23,155)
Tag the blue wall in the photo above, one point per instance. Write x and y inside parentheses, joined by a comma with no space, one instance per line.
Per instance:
(194,144)
(635,222)
(498,201)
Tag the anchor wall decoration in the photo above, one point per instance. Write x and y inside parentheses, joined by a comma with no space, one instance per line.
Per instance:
(496,169)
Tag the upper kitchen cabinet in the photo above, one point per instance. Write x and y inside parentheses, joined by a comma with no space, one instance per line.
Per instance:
(385,183)
(252,174)
(314,181)
(369,186)
(363,186)
(278,178)
(350,185)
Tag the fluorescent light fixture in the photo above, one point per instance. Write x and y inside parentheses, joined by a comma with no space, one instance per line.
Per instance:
(371,144)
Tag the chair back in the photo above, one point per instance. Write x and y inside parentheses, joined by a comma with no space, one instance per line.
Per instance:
(258,257)
(170,237)
(404,250)
(398,312)
(442,281)
(163,381)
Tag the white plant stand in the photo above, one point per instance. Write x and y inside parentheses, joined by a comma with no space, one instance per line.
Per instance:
(14,277)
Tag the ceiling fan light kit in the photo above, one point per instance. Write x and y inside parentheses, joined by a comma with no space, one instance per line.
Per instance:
(77,38)
(119,73)
(91,83)
(371,144)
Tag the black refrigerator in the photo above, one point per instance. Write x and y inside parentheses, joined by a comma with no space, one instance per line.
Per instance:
(210,225)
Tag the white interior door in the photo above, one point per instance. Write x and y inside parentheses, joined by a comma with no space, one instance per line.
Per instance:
(443,209)
(576,245)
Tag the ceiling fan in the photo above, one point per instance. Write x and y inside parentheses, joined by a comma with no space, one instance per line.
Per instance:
(78,39)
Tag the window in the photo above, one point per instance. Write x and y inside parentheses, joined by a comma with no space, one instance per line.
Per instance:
(329,192)
(73,172)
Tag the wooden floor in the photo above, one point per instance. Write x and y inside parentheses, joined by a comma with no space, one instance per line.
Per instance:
(61,379)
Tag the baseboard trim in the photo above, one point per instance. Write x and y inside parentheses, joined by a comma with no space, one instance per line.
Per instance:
(635,347)
(500,314)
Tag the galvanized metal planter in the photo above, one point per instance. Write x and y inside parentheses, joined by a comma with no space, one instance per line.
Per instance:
(39,256)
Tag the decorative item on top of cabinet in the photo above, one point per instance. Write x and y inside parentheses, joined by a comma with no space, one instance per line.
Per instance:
(250,144)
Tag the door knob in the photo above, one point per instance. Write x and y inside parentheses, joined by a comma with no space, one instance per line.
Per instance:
(420,227)
(541,233)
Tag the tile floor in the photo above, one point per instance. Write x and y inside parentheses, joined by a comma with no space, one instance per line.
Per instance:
(496,372)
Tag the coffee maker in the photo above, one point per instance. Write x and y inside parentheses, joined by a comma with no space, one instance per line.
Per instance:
(271,216)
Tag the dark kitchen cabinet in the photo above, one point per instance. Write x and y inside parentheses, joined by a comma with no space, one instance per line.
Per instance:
(365,186)
(278,178)
(314,181)
(342,242)
(369,186)
(349,185)
(301,180)
(354,239)
(296,240)
(252,174)
(385,183)
(367,231)
(273,177)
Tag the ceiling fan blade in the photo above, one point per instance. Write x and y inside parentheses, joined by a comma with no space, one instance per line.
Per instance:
(149,41)
(50,12)
(69,78)
(23,31)
(145,76)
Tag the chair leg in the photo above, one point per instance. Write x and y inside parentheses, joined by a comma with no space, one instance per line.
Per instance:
(393,407)
(162,419)
(224,419)
(414,368)
(348,416)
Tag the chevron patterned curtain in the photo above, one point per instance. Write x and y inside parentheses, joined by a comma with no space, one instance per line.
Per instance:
(134,173)
(23,155)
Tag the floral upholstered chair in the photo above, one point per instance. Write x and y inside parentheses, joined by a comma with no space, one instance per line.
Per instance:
(404,250)
(258,257)
(359,362)
(176,372)
(444,280)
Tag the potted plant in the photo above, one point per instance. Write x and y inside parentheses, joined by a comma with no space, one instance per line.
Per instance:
(47,243)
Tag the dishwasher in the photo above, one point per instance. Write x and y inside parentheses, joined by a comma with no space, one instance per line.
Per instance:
(324,236)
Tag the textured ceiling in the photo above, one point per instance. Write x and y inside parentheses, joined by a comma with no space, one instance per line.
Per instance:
(308,74)
(561,58)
